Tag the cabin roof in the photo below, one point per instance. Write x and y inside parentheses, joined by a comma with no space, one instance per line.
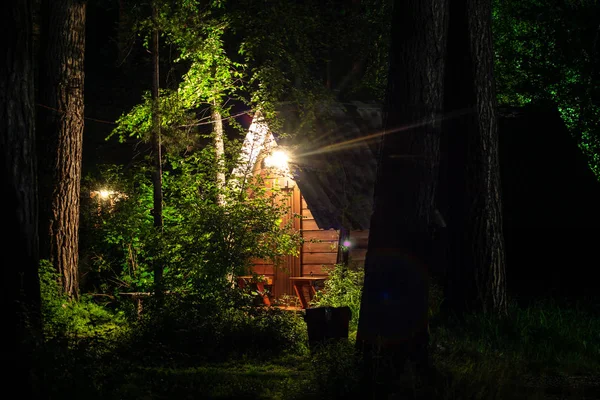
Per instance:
(334,160)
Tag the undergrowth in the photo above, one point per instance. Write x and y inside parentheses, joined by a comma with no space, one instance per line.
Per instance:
(491,357)
(63,318)
(542,337)
(224,348)
(343,288)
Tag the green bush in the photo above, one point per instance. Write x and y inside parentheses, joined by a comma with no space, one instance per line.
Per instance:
(342,288)
(191,329)
(76,318)
(202,242)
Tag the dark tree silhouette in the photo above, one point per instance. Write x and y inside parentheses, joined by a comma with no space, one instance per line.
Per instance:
(60,132)
(393,320)
(476,273)
(20,292)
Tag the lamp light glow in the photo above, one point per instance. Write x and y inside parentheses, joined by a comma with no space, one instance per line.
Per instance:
(105,194)
(277,159)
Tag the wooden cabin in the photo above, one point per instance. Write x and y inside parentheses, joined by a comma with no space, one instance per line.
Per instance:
(329,178)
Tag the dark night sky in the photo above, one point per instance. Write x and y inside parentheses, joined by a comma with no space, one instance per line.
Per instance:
(112,89)
(109,90)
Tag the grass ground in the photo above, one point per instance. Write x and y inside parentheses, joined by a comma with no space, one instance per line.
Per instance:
(242,379)
(543,350)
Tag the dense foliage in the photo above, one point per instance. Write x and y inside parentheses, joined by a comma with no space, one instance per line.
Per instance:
(201,242)
(548,51)
(63,318)
(93,352)
(343,288)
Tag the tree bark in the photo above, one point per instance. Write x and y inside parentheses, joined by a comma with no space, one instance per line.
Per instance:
(393,320)
(476,275)
(219,152)
(61,134)
(19,290)
(156,148)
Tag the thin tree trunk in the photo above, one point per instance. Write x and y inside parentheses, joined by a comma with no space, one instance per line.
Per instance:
(476,276)
(393,320)
(219,152)
(156,148)
(125,35)
(61,135)
(19,287)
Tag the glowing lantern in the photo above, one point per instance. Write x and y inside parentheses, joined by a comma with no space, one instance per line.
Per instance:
(277,159)
(105,194)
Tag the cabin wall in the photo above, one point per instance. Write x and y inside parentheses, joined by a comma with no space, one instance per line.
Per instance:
(289,265)
(358,249)
(320,247)
(319,250)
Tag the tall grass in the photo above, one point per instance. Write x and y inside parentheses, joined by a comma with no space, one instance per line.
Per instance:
(491,357)
(542,337)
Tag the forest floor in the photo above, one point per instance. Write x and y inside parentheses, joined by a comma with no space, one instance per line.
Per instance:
(330,376)
(294,380)
(555,387)
(542,351)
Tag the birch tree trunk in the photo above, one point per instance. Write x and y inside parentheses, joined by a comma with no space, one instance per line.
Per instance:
(60,132)
(157,150)
(219,152)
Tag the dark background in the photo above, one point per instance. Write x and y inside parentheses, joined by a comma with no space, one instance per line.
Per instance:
(551,198)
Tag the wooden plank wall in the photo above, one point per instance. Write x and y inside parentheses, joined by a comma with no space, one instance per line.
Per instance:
(319,251)
(358,250)
(320,246)
(289,266)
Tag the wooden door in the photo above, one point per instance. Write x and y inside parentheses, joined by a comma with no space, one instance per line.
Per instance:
(289,265)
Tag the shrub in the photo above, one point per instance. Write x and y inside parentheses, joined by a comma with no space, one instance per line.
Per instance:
(76,318)
(342,288)
(202,242)
(191,329)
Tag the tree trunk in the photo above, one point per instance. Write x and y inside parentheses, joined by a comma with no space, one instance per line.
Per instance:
(61,131)
(19,290)
(125,35)
(156,148)
(219,152)
(476,276)
(393,320)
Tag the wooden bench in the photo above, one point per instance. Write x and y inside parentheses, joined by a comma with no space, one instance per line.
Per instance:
(260,282)
(306,282)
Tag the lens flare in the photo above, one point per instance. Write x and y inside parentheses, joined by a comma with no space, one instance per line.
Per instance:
(278,159)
